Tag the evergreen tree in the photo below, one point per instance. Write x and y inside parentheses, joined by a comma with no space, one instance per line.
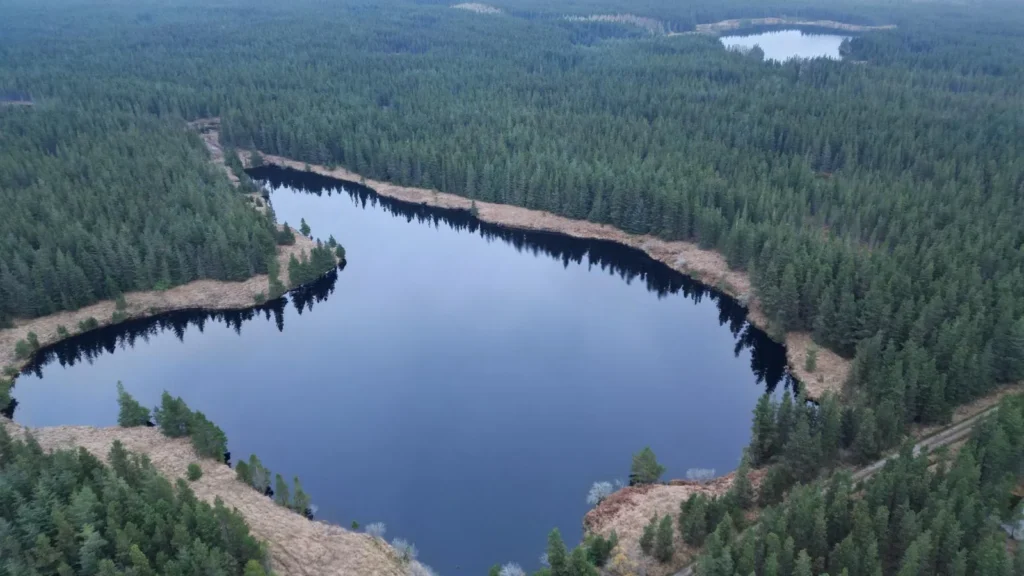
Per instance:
(645,468)
(663,548)
(130,412)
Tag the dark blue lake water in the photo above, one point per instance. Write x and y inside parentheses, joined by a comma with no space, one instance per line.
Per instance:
(463,383)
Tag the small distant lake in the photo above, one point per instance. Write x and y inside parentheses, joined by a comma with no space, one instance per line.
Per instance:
(462,382)
(782,45)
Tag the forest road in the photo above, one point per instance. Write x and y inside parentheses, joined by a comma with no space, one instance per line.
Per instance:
(944,437)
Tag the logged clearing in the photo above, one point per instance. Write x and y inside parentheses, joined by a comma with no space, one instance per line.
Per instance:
(707,266)
(478,8)
(650,24)
(736,24)
(298,547)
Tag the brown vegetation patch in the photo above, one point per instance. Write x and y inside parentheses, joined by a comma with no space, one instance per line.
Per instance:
(707,266)
(297,546)
(630,509)
(831,371)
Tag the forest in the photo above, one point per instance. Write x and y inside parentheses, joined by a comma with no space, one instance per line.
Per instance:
(68,513)
(875,201)
(927,514)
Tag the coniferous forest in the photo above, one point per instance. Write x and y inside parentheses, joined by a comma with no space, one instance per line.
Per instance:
(877,201)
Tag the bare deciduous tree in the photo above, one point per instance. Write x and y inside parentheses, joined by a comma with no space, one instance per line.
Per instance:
(377,529)
(599,491)
(701,475)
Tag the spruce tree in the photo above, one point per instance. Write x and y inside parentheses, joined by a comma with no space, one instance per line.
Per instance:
(663,548)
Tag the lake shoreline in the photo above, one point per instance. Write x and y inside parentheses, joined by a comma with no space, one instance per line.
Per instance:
(705,266)
(204,294)
(297,545)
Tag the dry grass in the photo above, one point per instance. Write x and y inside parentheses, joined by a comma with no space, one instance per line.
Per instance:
(630,509)
(297,546)
(708,266)
(205,294)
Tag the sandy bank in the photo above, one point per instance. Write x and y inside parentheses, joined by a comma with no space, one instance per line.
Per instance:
(297,546)
(706,266)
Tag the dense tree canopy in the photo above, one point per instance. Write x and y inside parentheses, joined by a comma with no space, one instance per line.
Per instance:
(98,203)
(67,513)
(912,518)
(876,200)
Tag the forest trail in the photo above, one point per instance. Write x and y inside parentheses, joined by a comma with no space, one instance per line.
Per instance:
(199,294)
(298,547)
(707,266)
(959,430)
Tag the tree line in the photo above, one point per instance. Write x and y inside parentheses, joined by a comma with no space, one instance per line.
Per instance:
(936,514)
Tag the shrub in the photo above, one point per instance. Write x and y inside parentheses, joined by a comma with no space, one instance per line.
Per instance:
(243,474)
(195,471)
(22,350)
(598,492)
(33,341)
(118,316)
(377,529)
(259,298)
(207,438)
(701,475)
(645,468)
(62,331)
(599,549)
(355,525)
(10,371)
(811,362)
(285,236)
(130,413)
(511,569)
(406,551)
(89,323)
(120,303)
(173,416)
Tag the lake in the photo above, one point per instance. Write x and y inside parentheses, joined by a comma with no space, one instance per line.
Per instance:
(782,45)
(461,382)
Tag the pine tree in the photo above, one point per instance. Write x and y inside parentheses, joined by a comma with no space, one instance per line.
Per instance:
(645,468)
(281,495)
(742,491)
(865,446)
(558,557)
(763,441)
(130,412)
(663,548)
(647,538)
